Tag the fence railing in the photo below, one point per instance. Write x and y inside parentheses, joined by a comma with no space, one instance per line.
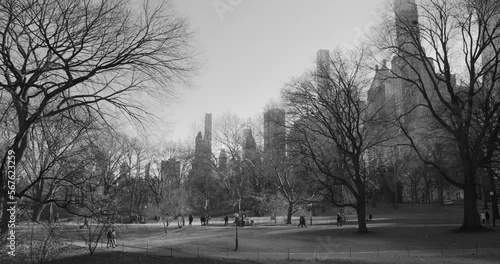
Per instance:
(323,251)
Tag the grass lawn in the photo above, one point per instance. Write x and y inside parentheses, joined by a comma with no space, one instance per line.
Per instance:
(76,255)
(411,241)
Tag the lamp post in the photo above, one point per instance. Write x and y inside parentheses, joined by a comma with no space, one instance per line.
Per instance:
(492,195)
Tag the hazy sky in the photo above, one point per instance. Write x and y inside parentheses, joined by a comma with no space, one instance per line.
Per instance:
(251,47)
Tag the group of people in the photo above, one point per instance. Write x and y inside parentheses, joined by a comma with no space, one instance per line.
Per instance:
(111,238)
(485,218)
(204,219)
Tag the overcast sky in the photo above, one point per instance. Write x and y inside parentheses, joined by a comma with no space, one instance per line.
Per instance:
(251,47)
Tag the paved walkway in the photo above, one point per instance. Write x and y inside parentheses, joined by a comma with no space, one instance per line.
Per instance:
(323,250)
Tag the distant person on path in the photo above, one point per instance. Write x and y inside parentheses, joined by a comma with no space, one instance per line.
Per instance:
(487,216)
(302,222)
(226,219)
(190,218)
(206,219)
(339,220)
(483,218)
(370,217)
(85,224)
(110,240)
(237,219)
(113,236)
(202,220)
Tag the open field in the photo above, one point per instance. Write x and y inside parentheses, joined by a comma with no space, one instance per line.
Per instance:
(407,235)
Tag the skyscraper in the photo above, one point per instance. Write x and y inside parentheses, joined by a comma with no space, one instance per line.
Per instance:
(323,70)
(249,145)
(203,148)
(275,132)
(208,130)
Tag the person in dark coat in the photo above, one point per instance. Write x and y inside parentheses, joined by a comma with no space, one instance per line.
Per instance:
(302,221)
(226,219)
(110,240)
(487,216)
(113,237)
(339,220)
(202,220)
(190,218)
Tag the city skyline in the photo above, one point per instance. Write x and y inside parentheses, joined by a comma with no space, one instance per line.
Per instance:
(262,43)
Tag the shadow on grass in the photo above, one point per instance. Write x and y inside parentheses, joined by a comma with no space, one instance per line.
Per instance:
(134,258)
(129,258)
(478,229)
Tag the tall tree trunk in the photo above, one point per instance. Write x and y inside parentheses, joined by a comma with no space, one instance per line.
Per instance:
(51,212)
(471,220)
(37,211)
(289,213)
(361,213)
(361,207)
(494,206)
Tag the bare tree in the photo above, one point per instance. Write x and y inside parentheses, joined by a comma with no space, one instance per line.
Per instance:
(332,128)
(288,177)
(445,56)
(56,150)
(166,187)
(59,54)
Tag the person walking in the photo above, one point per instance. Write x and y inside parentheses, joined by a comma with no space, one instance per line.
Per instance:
(487,216)
(113,238)
(339,220)
(302,222)
(483,218)
(226,219)
(190,218)
(110,240)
